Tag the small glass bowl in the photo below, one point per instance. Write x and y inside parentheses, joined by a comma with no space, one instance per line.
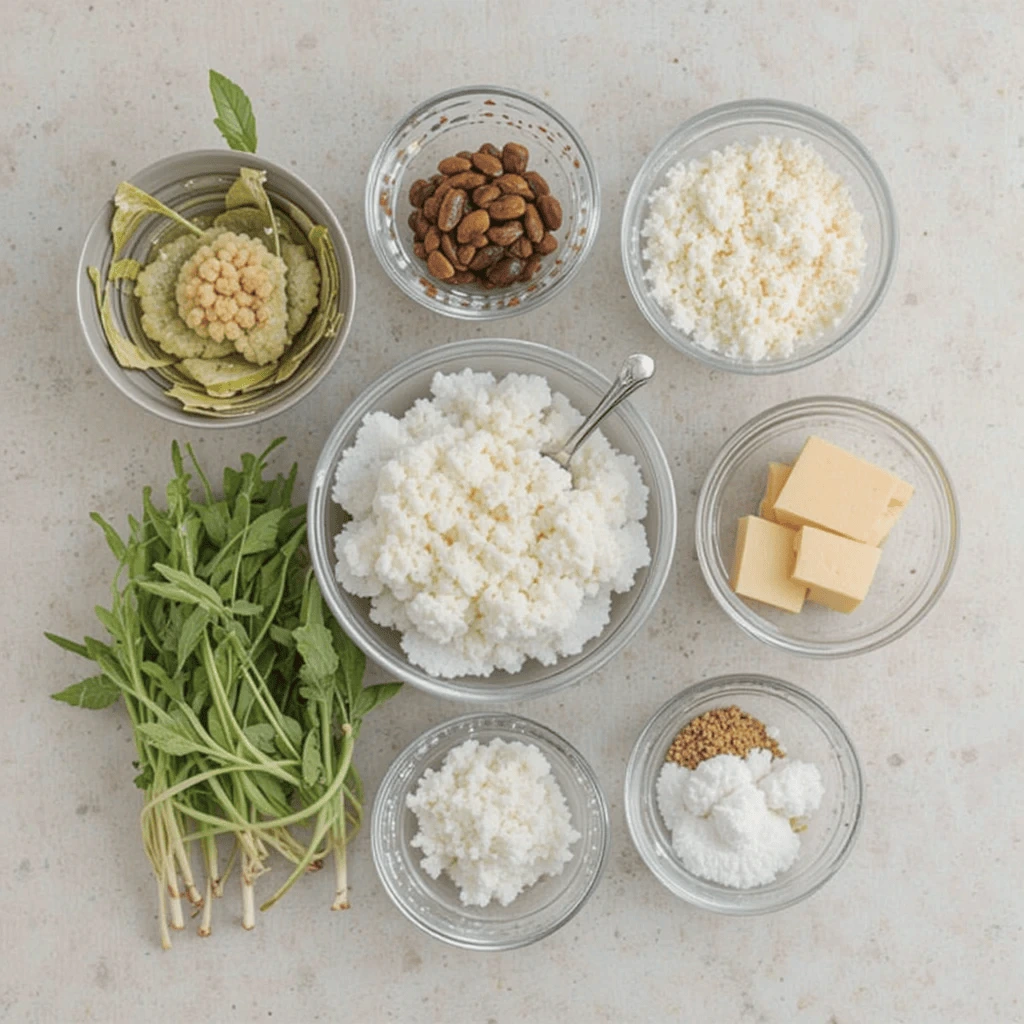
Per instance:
(808,732)
(194,184)
(464,119)
(434,905)
(746,121)
(625,428)
(917,558)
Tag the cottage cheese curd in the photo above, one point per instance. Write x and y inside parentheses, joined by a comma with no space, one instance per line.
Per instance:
(494,819)
(754,251)
(481,551)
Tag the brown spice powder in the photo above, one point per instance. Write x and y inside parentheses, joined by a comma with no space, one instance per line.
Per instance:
(720,731)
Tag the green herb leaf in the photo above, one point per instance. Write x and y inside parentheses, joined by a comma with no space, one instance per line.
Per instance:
(171,686)
(169,740)
(261,736)
(114,541)
(248,190)
(131,207)
(94,693)
(191,634)
(69,645)
(292,730)
(374,696)
(311,763)
(235,119)
(145,778)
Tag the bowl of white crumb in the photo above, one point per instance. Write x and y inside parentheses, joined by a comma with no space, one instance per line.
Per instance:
(490,831)
(759,236)
(743,794)
(463,560)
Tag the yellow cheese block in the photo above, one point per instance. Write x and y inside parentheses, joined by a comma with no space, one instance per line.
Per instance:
(838,571)
(762,567)
(897,503)
(834,490)
(778,474)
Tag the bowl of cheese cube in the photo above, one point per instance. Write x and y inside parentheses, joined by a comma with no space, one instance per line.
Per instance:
(827,527)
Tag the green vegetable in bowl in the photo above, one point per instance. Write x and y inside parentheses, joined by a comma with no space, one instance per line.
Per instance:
(221,298)
(245,699)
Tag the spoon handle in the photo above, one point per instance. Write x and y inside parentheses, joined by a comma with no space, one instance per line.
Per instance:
(636,371)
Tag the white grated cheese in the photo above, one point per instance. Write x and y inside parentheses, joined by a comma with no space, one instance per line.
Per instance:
(754,251)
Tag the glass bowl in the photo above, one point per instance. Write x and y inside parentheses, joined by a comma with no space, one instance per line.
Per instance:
(433,905)
(917,558)
(193,184)
(464,119)
(746,121)
(808,732)
(625,428)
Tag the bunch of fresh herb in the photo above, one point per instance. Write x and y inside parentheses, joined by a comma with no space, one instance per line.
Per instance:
(244,698)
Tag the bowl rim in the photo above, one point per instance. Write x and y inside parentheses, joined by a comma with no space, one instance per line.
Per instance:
(732,113)
(370,204)
(118,376)
(532,731)
(661,489)
(720,469)
(690,696)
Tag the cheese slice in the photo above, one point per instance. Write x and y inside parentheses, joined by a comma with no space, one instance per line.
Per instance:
(778,474)
(834,490)
(897,503)
(838,571)
(763,564)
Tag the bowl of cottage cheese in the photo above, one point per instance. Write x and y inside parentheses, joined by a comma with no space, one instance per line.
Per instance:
(759,236)
(459,557)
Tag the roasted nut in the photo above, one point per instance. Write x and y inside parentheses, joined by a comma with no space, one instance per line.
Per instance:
(462,277)
(514,184)
(454,165)
(419,191)
(421,227)
(448,248)
(533,225)
(486,257)
(469,180)
(439,266)
(430,207)
(465,254)
(505,234)
(432,239)
(444,186)
(473,224)
(531,268)
(522,248)
(505,271)
(490,150)
(514,158)
(550,210)
(479,241)
(537,183)
(484,283)
(487,164)
(452,207)
(419,251)
(485,195)
(465,154)
(507,208)
(546,245)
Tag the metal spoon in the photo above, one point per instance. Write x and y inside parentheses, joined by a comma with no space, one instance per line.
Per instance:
(634,373)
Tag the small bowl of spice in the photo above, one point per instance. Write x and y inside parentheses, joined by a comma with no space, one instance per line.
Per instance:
(759,236)
(743,794)
(490,832)
(482,202)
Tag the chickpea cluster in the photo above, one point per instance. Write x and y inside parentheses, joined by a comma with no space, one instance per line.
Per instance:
(223,289)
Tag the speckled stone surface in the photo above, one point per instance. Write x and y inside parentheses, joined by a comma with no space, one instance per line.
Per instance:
(923,924)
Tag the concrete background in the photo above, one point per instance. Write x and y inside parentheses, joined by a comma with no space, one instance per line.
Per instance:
(923,924)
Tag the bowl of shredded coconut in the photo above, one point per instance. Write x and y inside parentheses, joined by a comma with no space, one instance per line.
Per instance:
(462,559)
(490,831)
(759,236)
(743,794)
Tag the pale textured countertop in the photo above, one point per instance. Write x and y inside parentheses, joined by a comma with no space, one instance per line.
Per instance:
(923,924)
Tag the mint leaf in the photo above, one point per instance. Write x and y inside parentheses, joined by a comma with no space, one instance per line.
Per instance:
(94,693)
(235,119)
